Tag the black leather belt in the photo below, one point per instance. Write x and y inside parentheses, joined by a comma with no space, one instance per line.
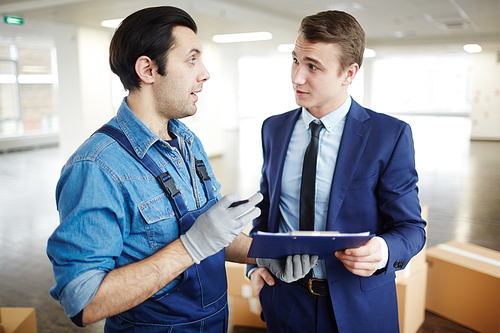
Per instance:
(314,286)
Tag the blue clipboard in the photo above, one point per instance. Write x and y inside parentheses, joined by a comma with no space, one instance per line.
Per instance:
(321,243)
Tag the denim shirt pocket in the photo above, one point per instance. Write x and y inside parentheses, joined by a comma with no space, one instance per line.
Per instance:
(160,221)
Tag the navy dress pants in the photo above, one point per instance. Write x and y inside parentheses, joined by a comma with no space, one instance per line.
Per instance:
(290,308)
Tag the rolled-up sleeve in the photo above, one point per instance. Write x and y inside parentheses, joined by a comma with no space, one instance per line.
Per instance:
(90,236)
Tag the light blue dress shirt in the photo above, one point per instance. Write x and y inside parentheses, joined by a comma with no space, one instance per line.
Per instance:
(329,142)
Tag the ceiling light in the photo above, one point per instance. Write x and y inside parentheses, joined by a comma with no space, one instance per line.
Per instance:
(346,6)
(399,34)
(112,23)
(243,37)
(472,48)
(369,53)
(286,48)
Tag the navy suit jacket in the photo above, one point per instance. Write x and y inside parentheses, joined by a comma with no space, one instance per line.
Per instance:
(373,189)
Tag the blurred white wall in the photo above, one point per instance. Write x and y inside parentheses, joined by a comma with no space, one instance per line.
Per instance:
(84,100)
(485,113)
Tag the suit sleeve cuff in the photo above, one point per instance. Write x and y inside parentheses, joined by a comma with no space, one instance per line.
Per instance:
(385,252)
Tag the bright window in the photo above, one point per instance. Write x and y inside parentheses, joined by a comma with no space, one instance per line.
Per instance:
(431,83)
(27,90)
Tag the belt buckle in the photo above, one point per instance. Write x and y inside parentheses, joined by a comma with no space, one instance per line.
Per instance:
(310,287)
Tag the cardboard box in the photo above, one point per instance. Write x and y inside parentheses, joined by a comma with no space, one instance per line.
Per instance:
(411,293)
(245,312)
(411,284)
(464,285)
(18,320)
(244,305)
(238,284)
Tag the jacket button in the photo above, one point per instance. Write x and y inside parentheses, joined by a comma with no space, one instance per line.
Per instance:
(399,264)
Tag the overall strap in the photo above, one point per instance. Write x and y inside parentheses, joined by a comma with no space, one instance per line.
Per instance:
(164,179)
(201,170)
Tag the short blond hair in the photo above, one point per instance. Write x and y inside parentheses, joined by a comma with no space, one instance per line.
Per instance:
(337,27)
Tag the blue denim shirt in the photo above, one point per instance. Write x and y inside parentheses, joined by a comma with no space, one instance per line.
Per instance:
(112,210)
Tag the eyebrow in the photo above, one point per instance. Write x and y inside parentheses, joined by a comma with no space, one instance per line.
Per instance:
(314,61)
(309,59)
(194,50)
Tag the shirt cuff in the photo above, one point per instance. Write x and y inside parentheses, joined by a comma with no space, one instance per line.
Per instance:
(250,271)
(385,252)
(79,292)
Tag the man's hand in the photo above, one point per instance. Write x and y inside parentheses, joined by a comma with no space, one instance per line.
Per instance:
(260,276)
(364,260)
(217,227)
(291,268)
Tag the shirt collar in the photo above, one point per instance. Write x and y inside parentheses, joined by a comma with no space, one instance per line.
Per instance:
(330,120)
(140,136)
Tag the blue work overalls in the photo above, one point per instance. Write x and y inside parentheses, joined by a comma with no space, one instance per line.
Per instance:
(199,302)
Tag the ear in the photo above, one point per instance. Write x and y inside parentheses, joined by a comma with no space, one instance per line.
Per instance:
(351,72)
(145,69)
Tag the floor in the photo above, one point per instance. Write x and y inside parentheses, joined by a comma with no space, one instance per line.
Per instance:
(459,181)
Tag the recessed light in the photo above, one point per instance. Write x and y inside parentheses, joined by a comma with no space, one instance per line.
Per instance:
(112,23)
(472,48)
(243,37)
(346,6)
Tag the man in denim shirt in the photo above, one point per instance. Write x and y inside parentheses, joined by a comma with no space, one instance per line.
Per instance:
(146,251)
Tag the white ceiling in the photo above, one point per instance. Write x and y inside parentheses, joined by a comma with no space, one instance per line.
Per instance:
(386,22)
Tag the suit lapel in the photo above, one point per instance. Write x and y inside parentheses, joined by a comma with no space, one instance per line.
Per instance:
(280,141)
(352,145)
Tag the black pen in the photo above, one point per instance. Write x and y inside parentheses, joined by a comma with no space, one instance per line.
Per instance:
(237,203)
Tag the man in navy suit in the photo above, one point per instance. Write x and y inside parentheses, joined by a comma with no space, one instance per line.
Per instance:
(365,181)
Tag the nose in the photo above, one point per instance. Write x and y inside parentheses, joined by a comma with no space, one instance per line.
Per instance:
(298,75)
(204,75)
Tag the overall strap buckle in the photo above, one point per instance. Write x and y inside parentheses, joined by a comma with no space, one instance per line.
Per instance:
(167,184)
(201,170)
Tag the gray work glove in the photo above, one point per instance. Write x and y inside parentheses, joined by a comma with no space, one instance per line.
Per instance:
(217,227)
(291,268)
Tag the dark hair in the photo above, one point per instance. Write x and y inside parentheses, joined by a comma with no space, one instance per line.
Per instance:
(146,32)
(340,28)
